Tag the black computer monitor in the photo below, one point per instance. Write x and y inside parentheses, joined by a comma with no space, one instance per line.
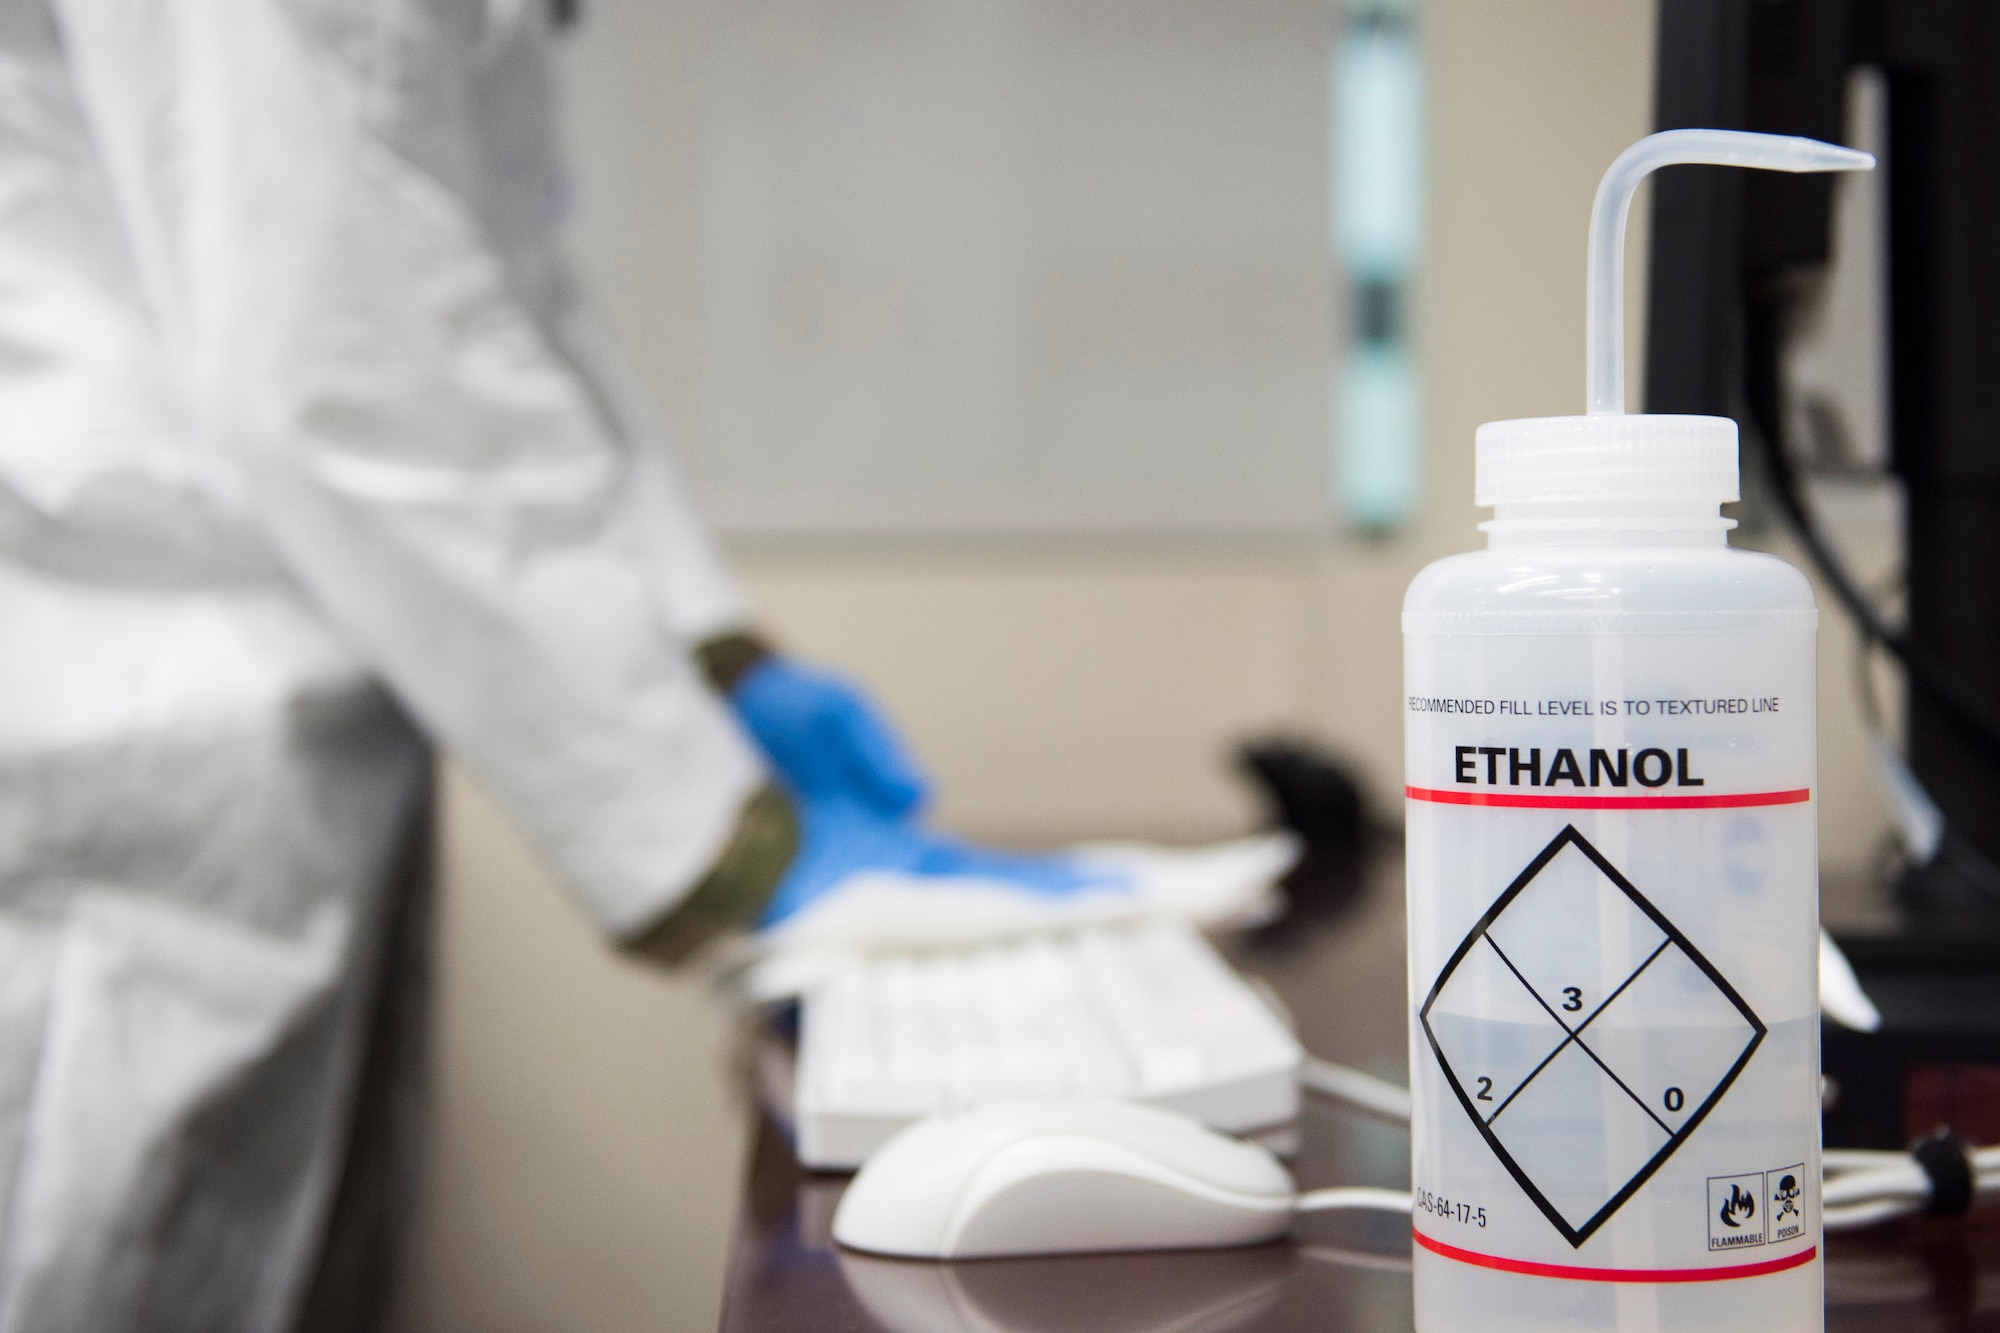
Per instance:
(1726,246)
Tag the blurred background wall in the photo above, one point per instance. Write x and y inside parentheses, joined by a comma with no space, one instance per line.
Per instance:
(1063,682)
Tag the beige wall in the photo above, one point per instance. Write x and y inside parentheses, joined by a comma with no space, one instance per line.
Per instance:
(588,1148)
(587,1144)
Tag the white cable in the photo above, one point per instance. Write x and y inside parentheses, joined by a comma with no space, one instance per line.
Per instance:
(1856,1216)
(1864,1186)
(1919,823)
(1903,1181)
(1840,995)
(1353,1197)
(1376,1095)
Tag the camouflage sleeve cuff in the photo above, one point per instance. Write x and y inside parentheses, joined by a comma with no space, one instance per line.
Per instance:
(736,890)
(727,658)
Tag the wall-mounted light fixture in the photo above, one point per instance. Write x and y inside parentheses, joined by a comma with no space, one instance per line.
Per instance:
(1377,214)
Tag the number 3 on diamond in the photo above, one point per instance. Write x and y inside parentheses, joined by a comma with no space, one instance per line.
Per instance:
(1572,999)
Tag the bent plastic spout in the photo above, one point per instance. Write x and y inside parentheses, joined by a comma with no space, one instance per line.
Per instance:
(1604,318)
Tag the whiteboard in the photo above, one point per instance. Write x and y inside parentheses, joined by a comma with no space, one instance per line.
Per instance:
(987,266)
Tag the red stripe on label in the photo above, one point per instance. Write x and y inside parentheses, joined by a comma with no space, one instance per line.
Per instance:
(1720,1274)
(1523,801)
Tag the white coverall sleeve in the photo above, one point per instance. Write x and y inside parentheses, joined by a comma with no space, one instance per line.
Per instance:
(429,462)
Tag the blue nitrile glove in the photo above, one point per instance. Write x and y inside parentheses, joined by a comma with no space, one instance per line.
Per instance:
(839,836)
(827,740)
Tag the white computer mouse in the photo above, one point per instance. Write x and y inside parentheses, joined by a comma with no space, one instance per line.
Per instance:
(1062,1177)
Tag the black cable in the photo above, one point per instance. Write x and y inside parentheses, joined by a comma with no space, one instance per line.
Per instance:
(1763,332)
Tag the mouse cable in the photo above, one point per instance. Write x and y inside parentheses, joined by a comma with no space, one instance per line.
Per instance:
(1353,1197)
(1364,1092)
(1943,1176)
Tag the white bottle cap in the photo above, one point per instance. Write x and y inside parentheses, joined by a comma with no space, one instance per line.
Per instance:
(1608,457)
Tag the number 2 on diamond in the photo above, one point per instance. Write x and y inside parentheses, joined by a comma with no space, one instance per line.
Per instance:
(1485,1088)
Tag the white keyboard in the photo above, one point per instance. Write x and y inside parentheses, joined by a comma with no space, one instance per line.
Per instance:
(1147,1012)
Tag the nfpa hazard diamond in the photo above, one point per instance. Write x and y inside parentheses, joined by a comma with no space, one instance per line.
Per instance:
(1584,1089)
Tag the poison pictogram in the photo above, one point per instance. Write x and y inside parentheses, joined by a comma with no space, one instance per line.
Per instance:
(1584,1034)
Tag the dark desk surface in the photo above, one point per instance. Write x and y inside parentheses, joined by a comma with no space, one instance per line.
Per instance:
(1344,984)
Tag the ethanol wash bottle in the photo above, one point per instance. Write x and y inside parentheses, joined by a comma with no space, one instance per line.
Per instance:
(1613,879)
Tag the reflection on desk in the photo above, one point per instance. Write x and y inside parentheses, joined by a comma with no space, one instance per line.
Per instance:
(1210,1291)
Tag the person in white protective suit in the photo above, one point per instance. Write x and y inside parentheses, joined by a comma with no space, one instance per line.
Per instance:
(307,456)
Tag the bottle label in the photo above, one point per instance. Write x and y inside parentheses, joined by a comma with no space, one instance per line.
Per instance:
(1613,939)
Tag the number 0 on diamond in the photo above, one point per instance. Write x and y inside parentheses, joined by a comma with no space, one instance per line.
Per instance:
(1576,1016)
